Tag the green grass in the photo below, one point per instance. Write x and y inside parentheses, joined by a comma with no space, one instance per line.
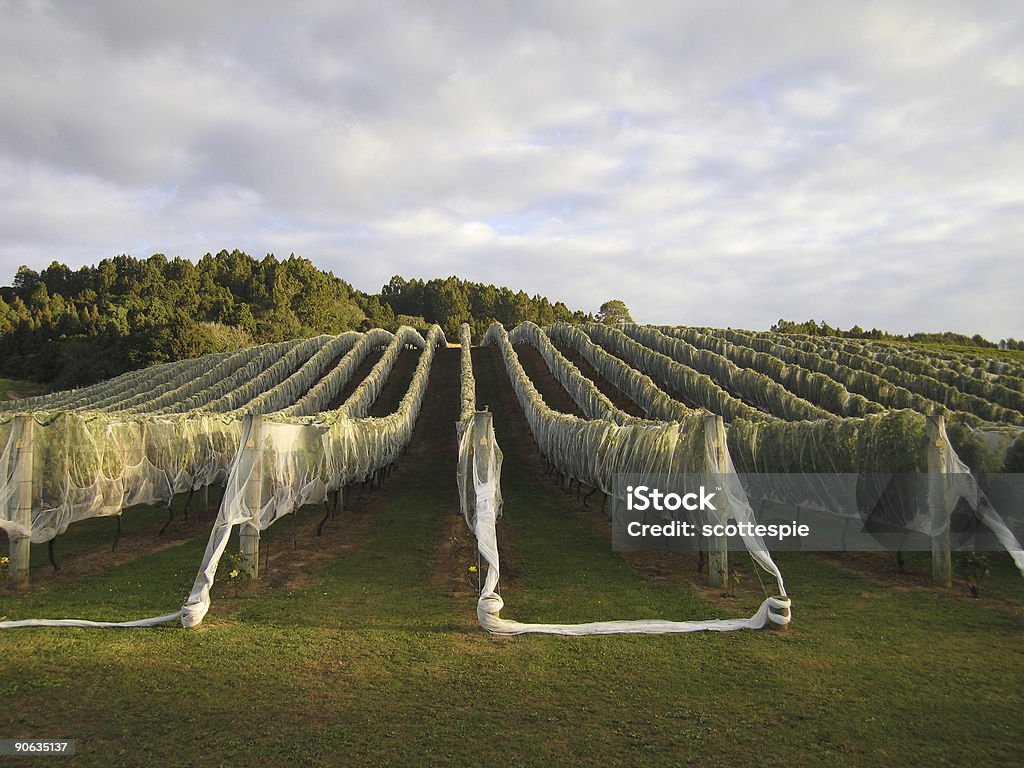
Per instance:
(13,389)
(368,667)
(377,661)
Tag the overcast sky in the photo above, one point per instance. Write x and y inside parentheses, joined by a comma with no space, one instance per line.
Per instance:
(707,163)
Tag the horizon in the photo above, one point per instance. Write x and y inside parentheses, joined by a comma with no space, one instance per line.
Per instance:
(705,165)
(553,299)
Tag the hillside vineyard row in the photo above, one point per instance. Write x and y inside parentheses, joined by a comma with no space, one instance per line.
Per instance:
(270,423)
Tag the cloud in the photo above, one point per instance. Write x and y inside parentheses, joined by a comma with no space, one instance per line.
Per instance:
(707,164)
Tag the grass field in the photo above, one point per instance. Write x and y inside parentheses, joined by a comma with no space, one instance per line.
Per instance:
(361,648)
(12,389)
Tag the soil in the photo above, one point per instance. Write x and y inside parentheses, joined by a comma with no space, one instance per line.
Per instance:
(619,399)
(133,542)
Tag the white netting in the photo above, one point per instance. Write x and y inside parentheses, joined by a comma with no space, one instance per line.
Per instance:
(359,402)
(596,450)
(583,391)
(287,464)
(192,393)
(212,391)
(981,397)
(94,464)
(749,385)
(888,390)
(325,391)
(694,386)
(268,380)
(812,386)
(146,435)
(593,451)
(833,466)
(961,484)
(288,391)
(97,463)
(640,388)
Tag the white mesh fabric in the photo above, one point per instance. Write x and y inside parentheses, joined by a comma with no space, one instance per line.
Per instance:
(592,450)
(638,386)
(289,462)
(95,464)
(486,465)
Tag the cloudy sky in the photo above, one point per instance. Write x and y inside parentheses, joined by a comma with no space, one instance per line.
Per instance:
(708,163)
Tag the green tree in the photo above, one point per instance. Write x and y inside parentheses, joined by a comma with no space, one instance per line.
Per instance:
(378,314)
(613,312)
(72,328)
(224,338)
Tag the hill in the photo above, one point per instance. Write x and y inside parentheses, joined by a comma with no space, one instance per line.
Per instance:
(69,328)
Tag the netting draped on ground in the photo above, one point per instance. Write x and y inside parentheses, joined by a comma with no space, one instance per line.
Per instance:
(593,450)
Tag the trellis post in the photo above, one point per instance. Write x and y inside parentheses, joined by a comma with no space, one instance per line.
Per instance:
(249,534)
(481,431)
(468,493)
(20,546)
(718,547)
(937,506)
(480,460)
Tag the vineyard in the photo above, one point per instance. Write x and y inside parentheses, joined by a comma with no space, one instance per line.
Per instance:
(325,513)
(285,426)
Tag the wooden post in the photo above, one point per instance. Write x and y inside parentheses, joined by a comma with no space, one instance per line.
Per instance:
(249,534)
(718,548)
(482,431)
(205,498)
(778,618)
(469,494)
(937,507)
(481,442)
(20,546)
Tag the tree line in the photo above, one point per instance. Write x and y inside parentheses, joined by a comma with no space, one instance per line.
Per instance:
(73,327)
(814,328)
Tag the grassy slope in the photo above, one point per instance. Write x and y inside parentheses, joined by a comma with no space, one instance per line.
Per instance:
(13,389)
(378,661)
